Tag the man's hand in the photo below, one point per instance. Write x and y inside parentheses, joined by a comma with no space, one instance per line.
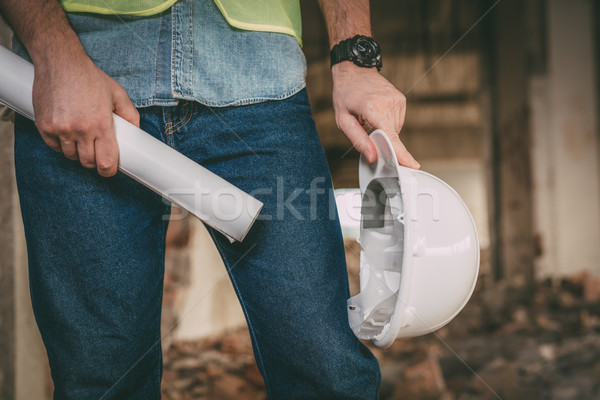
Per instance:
(361,96)
(73,100)
(73,106)
(364,98)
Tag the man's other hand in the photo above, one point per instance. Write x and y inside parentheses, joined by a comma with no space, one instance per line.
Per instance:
(362,98)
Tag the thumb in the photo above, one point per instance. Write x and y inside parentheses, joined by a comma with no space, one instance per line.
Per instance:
(357,136)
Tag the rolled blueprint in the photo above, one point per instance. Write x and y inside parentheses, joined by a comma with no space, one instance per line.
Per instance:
(151,162)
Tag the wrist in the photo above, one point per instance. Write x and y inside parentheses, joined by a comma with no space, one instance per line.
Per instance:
(347,67)
(50,50)
(47,34)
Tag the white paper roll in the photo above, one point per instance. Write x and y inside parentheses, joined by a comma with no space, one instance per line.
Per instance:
(150,162)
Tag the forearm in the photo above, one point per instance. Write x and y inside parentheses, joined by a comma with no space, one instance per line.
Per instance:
(346,18)
(43,28)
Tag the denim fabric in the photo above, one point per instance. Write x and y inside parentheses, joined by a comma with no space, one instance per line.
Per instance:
(190,52)
(96,252)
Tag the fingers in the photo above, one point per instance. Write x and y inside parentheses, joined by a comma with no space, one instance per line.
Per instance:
(106,147)
(92,141)
(69,149)
(52,142)
(361,142)
(357,135)
(403,156)
(391,122)
(107,155)
(86,153)
(389,126)
(123,106)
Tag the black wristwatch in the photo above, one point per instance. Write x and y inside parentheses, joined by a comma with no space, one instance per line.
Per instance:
(361,50)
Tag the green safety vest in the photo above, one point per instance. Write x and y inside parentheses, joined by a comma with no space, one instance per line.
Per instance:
(282,16)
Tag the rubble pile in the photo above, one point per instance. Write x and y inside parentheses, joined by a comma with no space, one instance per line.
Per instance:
(214,368)
(511,341)
(541,342)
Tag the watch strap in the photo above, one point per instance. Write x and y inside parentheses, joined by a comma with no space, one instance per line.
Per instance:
(342,51)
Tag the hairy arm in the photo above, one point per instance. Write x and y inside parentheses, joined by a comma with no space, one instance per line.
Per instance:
(73,100)
(361,96)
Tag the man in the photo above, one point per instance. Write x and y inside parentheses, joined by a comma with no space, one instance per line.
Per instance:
(232,100)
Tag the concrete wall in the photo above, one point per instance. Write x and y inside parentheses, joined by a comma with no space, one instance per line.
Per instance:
(209,305)
(566,145)
(511,141)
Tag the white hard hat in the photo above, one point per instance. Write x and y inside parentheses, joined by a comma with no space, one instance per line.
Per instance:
(419,256)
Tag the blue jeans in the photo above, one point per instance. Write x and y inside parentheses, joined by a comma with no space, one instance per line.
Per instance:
(96,254)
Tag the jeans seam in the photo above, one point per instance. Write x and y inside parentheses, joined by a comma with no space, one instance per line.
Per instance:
(157,56)
(245,101)
(171,128)
(259,358)
(187,117)
(172,69)
(191,49)
(166,115)
(168,132)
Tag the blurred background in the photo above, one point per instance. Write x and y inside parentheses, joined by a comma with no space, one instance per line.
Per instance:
(503,104)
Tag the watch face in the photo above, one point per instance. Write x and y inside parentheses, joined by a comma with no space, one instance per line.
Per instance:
(366,52)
